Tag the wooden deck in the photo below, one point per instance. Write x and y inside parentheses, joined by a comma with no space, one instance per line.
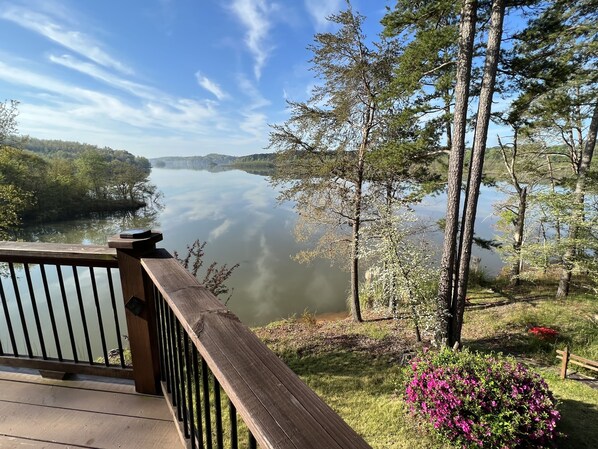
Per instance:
(84,413)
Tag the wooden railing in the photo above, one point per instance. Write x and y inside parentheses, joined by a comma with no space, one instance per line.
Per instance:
(224,386)
(53,318)
(567,358)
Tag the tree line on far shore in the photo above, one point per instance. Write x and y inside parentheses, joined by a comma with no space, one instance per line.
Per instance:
(48,180)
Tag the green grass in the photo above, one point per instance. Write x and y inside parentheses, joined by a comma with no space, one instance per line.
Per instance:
(356,368)
(578,404)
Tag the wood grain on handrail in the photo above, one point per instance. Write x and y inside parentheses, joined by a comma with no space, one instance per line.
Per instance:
(59,254)
(278,408)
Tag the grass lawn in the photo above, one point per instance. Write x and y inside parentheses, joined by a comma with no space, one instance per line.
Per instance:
(357,368)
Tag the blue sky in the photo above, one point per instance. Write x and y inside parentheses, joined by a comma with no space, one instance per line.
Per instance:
(161,77)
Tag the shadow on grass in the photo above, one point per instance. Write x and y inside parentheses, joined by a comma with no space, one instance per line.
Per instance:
(579,423)
(517,344)
(345,372)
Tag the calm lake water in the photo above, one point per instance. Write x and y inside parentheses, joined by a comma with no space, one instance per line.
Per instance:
(237,214)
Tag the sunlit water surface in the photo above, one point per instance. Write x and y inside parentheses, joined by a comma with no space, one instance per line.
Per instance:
(238,215)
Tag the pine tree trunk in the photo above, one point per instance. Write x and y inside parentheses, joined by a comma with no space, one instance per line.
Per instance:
(584,167)
(355,305)
(518,237)
(477,165)
(455,170)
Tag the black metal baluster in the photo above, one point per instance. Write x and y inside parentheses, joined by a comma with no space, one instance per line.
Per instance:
(174,366)
(197,405)
(181,360)
(67,313)
(20,308)
(167,348)
(96,300)
(42,269)
(189,386)
(206,402)
(82,311)
(38,324)
(160,326)
(218,412)
(11,332)
(252,443)
(116,323)
(232,414)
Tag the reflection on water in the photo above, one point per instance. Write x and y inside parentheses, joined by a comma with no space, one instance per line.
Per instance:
(237,214)
(94,229)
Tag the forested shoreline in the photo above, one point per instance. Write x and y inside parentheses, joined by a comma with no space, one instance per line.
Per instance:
(43,181)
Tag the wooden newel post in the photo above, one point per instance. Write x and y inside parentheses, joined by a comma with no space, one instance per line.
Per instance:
(138,296)
(565,362)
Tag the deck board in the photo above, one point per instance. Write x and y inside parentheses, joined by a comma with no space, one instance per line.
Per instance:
(37,412)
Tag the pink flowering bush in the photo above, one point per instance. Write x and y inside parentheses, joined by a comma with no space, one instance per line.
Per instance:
(476,400)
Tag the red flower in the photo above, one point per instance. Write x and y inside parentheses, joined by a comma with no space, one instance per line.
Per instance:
(545,333)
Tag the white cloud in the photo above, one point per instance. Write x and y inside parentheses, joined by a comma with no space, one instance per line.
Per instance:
(255,124)
(220,229)
(254,15)
(111,106)
(319,10)
(73,40)
(210,86)
(257,99)
(97,72)
(89,106)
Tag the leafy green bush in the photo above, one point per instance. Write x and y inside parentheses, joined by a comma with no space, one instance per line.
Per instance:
(477,400)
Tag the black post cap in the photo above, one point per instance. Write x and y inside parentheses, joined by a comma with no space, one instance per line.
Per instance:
(136,234)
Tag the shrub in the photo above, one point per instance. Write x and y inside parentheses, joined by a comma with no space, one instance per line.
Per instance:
(476,400)
(544,333)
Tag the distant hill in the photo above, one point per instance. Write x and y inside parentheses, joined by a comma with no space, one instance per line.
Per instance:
(261,163)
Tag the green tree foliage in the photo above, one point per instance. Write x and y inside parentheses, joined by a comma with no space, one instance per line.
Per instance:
(12,204)
(56,183)
(425,69)
(323,146)
(555,66)
(13,201)
(402,274)
(8,122)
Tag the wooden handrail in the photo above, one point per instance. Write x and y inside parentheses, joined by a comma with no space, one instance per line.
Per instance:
(58,305)
(278,408)
(568,358)
(60,254)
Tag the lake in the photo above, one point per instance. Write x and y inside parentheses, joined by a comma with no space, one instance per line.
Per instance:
(238,215)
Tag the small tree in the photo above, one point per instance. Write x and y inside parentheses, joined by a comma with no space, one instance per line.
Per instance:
(322,147)
(526,167)
(215,275)
(8,120)
(556,61)
(403,268)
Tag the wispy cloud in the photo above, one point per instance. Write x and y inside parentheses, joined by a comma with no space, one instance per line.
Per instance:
(75,41)
(210,86)
(98,73)
(255,16)
(257,100)
(319,10)
(255,121)
(220,229)
(89,106)
(111,105)
(167,14)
